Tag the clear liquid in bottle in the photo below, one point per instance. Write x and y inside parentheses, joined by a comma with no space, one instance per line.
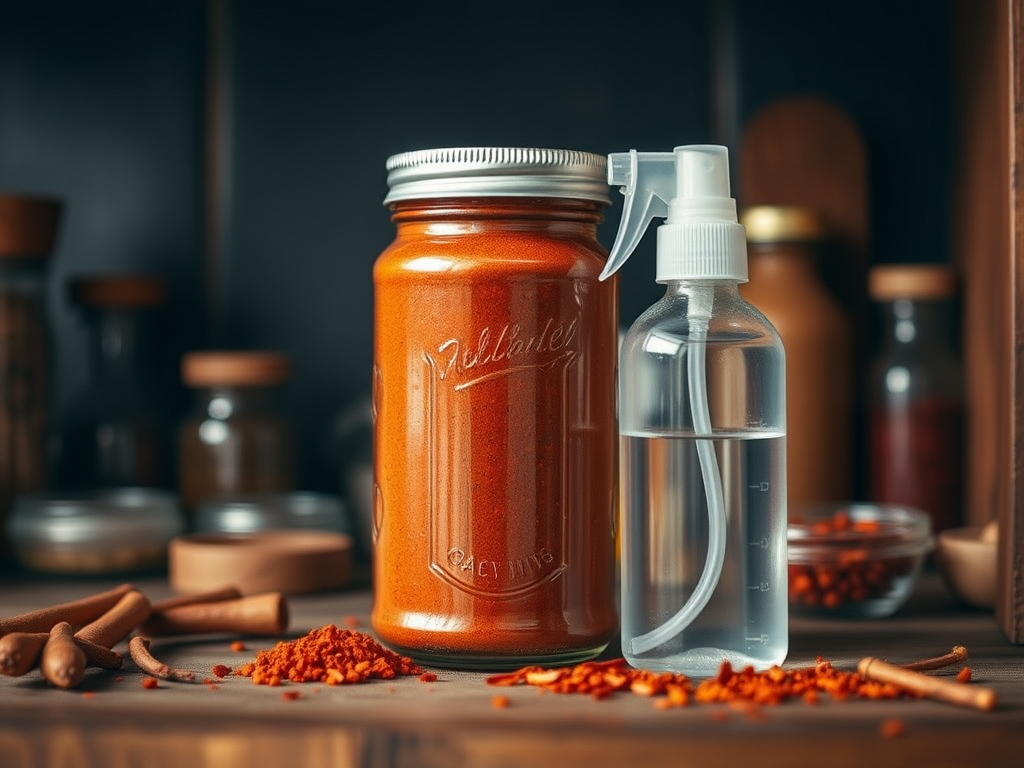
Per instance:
(665,544)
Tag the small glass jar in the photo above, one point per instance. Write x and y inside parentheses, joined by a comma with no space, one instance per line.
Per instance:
(236,439)
(115,429)
(916,397)
(28,230)
(495,429)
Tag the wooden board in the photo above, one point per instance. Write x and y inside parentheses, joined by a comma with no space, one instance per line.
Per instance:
(407,722)
(808,152)
(988,243)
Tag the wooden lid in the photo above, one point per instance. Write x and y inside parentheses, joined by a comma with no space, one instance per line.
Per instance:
(911,281)
(234,368)
(116,291)
(287,561)
(28,226)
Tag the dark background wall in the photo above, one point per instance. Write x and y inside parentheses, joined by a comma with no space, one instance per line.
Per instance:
(238,148)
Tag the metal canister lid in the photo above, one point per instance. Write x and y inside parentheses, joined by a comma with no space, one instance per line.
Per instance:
(497,172)
(120,515)
(226,368)
(911,281)
(272,511)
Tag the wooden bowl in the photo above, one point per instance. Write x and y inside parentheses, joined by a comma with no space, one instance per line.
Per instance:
(967,561)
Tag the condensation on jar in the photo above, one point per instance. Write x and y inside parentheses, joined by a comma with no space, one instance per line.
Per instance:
(495,458)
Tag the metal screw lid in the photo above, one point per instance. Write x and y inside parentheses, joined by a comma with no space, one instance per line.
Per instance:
(782,223)
(497,172)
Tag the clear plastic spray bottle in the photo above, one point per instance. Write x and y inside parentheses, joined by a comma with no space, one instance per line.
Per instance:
(702,411)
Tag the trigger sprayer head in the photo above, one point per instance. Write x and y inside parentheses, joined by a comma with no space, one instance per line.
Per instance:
(701,238)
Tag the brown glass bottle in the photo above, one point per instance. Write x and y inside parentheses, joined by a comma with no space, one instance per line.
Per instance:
(28,230)
(916,398)
(236,440)
(115,431)
(785,244)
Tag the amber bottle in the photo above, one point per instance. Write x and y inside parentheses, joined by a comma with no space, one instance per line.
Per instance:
(785,244)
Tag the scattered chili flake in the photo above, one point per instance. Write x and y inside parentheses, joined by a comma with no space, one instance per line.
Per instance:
(892,728)
(150,682)
(352,622)
(500,702)
(291,695)
(328,655)
(88,694)
(428,677)
(221,670)
(238,646)
(769,687)
(964,675)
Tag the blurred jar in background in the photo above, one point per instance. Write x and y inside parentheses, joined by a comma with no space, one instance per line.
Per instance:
(916,399)
(235,440)
(28,230)
(785,244)
(115,430)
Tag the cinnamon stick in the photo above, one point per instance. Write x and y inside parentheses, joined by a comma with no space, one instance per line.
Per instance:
(138,646)
(75,612)
(211,596)
(118,622)
(932,687)
(62,662)
(264,614)
(20,653)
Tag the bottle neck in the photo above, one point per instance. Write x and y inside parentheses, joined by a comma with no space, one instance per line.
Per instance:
(115,340)
(907,322)
(225,402)
(455,216)
(788,261)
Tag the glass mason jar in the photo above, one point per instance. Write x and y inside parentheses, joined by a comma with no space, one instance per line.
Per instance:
(916,396)
(115,429)
(28,230)
(235,441)
(495,429)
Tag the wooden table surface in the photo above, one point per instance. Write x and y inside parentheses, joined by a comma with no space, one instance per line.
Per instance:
(452,721)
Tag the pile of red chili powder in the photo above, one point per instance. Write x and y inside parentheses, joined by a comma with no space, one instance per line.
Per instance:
(327,655)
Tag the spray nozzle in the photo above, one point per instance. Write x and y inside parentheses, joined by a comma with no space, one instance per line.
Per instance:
(689,188)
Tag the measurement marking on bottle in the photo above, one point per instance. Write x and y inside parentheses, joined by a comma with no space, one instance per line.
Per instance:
(763,586)
(762,638)
(762,486)
(761,543)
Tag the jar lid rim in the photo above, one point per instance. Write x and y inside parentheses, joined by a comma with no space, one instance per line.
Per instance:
(497,172)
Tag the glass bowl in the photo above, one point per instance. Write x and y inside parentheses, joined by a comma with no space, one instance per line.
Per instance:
(855,560)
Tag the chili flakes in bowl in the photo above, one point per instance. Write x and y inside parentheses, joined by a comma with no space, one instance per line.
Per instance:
(855,560)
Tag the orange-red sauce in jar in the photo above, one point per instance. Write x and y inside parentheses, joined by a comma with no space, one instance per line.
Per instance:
(495,429)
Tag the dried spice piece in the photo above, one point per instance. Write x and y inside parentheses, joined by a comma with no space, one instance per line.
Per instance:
(964,675)
(328,655)
(138,646)
(770,687)
(936,688)
(221,670)
(892,728)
